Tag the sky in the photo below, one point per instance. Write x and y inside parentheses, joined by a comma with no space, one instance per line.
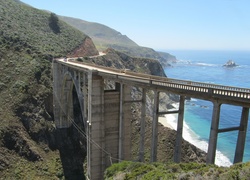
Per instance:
(166,24)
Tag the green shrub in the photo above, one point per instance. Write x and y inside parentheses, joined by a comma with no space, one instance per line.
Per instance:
(79,59)
(138,169)
(2,86)
(117,167)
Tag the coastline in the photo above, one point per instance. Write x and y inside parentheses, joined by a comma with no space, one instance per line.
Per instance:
(170,121)
(164,121)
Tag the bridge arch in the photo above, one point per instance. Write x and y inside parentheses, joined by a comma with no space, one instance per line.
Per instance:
(71,127)
(70,95)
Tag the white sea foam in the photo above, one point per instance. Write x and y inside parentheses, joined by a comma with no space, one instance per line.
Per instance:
(189,62)
(193,138)
(193,100)
(205,64)
(183,62)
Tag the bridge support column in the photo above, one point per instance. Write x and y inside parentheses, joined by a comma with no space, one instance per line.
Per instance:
(95,127)
(111,116)
(178,143)
(125,123)
(85,97)
(61,95)
(153,156)
(57,86)
(121,123)
(239,152)
(142,129)
(213,134)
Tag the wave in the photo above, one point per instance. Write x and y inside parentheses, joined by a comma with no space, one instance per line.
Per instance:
(193,100)
(205,64)
(193,138)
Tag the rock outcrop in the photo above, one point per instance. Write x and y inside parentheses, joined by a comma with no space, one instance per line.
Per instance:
(87,48)
(120,60)
(230,64)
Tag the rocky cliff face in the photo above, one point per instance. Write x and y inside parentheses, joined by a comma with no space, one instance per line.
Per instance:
(119,60)
(87,48)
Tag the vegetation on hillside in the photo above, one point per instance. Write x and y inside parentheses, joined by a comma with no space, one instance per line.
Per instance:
(157,171)
(27,46)
(100,34)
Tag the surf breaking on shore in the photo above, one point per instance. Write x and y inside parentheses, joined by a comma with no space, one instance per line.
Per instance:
(170,121)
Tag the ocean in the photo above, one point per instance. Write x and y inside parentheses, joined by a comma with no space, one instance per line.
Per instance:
(207,66)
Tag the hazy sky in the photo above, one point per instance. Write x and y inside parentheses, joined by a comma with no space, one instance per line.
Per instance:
(166,24)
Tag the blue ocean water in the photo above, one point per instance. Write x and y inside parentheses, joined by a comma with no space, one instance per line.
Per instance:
(206,66)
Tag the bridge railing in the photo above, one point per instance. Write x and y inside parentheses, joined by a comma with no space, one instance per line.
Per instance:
(211,89)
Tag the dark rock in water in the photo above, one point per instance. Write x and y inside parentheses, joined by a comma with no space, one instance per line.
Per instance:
(230,63)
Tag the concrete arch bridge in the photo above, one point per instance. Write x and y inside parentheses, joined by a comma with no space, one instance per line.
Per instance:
(102,116)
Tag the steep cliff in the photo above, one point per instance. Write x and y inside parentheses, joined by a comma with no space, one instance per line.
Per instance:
(119,60)
(87,48)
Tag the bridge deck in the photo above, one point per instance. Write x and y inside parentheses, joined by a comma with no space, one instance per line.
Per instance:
(206,91)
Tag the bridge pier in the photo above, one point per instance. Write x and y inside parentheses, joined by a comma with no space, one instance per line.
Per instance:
(178,143)
(213,133)
(95,126)
(111,133)
(121,124)
(109,126)
(125,123)
(61,89)
(154,141)
(239,152)
(142,127)
(242,128)
(57,84)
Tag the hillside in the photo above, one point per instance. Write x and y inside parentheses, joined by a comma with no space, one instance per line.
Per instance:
(28,43)
(105,37)
(101,35)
